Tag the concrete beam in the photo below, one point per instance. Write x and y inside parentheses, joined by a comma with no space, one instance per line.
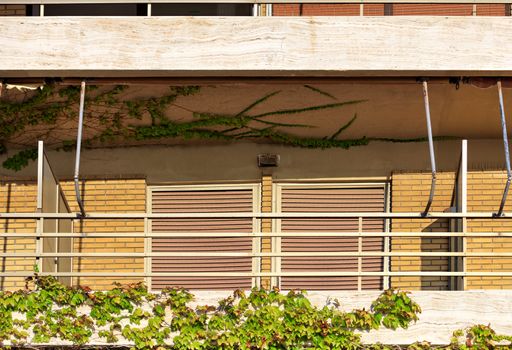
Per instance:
(261,46)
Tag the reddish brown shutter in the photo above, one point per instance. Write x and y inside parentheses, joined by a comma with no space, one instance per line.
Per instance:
(202,201)
(432,9)
(332,200)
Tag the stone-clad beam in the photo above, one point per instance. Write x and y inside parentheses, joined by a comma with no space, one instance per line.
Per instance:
(443,312)
(252,46)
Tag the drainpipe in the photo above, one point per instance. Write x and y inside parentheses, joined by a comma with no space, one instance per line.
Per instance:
(507,154)
(430,147)
(78,147)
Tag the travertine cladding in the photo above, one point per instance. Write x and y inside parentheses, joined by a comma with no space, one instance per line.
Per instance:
(409,193)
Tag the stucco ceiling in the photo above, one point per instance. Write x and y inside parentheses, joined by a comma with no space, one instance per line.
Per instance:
(387,110)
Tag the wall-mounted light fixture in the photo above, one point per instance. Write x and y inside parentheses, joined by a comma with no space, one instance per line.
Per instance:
(268,160)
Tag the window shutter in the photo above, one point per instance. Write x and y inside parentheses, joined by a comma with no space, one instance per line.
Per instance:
(331,200)
(202,201)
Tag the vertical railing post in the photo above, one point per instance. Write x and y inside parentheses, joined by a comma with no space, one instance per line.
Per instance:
(464,208)
(359,254)
(268,9)
(39,207)
(78,149)
(430,147)
(147,258)
(387,242)
(256,10)
(458,244)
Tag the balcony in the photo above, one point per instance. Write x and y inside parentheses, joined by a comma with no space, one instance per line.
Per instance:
(170,191)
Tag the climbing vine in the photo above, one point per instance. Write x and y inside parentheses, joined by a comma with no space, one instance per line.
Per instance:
(112,119)
(47,312)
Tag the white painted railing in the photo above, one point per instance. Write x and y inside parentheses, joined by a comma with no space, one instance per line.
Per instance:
(257,255)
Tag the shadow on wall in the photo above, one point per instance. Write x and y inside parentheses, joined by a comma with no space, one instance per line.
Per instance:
(79,246)
(5,229)
(435,263)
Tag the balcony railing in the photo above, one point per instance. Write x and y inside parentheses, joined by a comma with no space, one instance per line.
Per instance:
(257,272)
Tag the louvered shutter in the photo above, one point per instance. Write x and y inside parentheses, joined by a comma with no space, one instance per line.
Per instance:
(331,200)
(202,201)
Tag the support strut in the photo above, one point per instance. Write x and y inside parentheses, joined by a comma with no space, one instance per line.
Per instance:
(431,149)
(78,148)
(505,145)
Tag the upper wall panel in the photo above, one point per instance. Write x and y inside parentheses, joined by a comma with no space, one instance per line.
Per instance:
(254,46)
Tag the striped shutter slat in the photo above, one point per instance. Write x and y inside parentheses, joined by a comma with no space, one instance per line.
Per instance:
(331,200)
(202,201)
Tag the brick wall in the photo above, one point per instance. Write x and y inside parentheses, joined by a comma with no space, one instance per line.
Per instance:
(17,197)
(409,192)
(122,196)
(391,9)
(113,196)
(12,10)
(485,189)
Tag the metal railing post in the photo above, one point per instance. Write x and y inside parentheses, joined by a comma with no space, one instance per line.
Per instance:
(505,146)
(78,149)
(359,254)
(430,148)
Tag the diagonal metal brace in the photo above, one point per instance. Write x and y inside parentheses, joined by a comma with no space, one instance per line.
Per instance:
(78,148)
(430,147)
(507,154)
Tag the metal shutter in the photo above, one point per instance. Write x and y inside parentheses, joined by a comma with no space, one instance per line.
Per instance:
(202,201)
(331,200)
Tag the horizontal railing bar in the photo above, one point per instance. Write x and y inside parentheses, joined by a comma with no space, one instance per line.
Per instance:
(50,2)
(154,216)
(264,274)
(254,255)
(253,234)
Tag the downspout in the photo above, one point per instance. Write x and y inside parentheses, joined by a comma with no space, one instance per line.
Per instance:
(507,154)
(78,148)
(431,149)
